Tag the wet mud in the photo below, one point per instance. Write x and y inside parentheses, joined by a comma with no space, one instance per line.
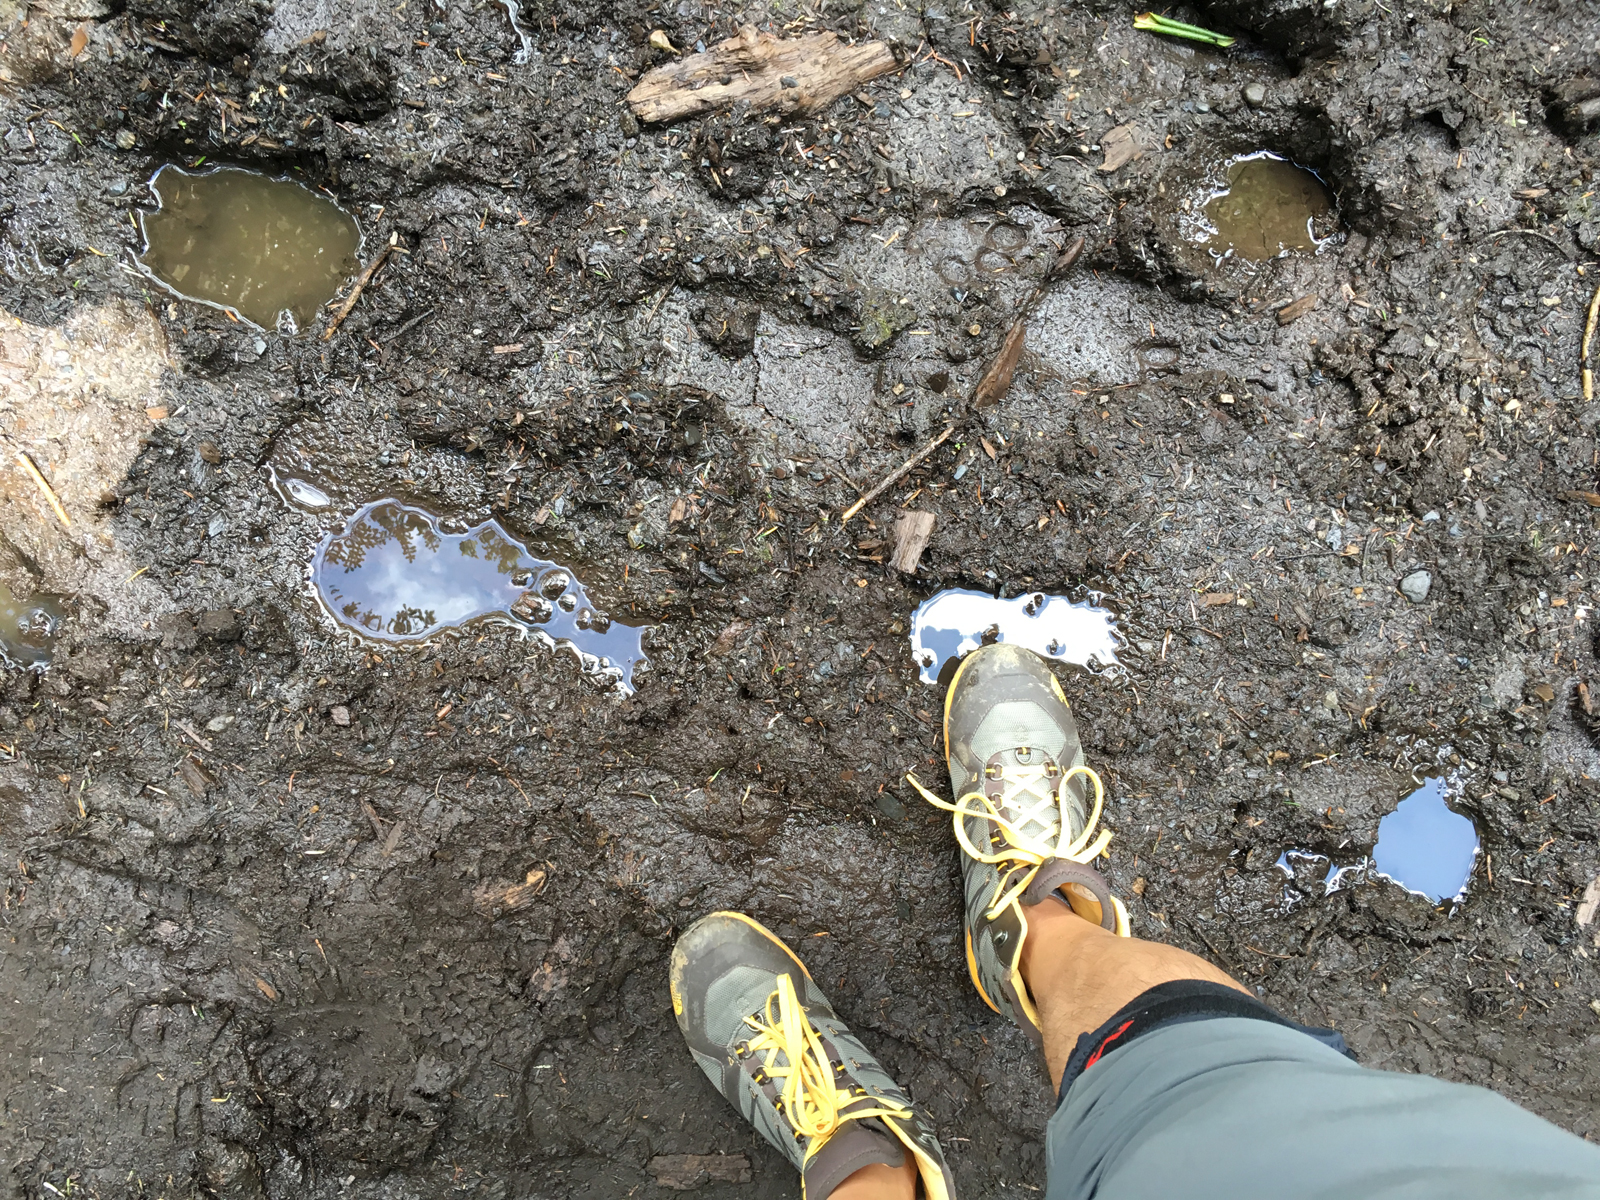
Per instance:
(287,911)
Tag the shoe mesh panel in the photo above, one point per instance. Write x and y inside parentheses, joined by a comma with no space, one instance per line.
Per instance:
(733,997)
(1017,723)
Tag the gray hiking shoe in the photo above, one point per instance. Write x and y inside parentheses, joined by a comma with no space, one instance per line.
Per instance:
(1025,814)
(769,1041)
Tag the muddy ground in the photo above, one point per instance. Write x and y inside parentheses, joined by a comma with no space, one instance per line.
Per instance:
(250,951)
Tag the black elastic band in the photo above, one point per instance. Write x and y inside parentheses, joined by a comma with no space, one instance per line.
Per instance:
(1170,1003)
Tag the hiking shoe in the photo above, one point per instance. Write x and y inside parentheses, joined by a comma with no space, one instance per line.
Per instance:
(769,1041)
(1025,815)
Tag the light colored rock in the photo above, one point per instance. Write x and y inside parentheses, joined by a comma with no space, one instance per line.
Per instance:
(1416,586)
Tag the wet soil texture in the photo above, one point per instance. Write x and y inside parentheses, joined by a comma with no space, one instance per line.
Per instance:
(289,912)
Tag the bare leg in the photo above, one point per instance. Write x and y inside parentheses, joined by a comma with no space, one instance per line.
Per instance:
(1080,975)
(879,1182)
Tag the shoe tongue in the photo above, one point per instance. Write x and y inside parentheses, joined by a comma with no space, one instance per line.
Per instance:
(854,1145)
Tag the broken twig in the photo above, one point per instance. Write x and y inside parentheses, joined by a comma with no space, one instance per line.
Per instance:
(61,513)
(355,292)
(895,475)
(1585,351)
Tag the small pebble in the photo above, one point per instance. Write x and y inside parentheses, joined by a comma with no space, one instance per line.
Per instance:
(125,139)
(339,714)
(1255,95)
(1416,586)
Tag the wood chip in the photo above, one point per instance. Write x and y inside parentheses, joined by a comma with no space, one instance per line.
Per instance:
(209,452)
(512,348)
(80,39)
(911,534)
(1592,499)
(393,839)
(492,900)
(1590,904)
(728,636)
(156,413)
(1295,309)
(765,72)
(195,777)
(996,381)
(684,1172)
(1585,362)
(1121,147)
(267,990)
(1213,599)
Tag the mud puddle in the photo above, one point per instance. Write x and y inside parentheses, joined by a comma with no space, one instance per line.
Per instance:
(396,575)
(1426,847)
(953,623)
(1266,207)
(28,628)
(268,250)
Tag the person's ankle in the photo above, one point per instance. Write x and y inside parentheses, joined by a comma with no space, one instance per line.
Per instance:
(880,1182)
(1049,921)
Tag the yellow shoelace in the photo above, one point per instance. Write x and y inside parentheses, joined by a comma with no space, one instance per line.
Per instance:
(1027,791)
(810,1101)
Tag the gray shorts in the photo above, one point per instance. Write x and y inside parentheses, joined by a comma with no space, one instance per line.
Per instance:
(1234,1107)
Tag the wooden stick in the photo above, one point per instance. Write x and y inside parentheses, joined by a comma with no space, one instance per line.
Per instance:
(355,292)
(61,513)
(895,475)
(1585,363)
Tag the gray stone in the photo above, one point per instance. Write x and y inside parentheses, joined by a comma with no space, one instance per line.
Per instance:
(1255,94)
(1416,586)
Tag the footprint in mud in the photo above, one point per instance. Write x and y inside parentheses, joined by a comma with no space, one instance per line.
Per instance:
(1424,846)
(268,250)
(955,622)
(1427,847)
(1265,207)
(394,575)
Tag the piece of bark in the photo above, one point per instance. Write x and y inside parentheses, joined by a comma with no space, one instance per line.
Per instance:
(911,534)
(1296,309)
(1121,147)
(195,777)
(996,381)
(1590,904)
(765,72)
(495,900)
(683,1172)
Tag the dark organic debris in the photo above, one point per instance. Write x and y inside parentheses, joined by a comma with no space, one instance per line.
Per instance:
(765,72)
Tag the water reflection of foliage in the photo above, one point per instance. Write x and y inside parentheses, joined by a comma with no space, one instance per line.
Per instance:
(377,527)
(506,556)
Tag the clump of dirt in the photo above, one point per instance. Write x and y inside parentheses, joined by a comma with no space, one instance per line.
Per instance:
(246,948)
